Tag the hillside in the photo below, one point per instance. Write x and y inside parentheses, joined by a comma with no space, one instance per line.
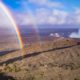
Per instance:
(50,60)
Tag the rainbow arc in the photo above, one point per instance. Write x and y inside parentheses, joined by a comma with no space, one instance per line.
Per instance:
(9,15)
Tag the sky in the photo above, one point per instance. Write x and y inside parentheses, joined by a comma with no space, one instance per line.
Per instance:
(53,12)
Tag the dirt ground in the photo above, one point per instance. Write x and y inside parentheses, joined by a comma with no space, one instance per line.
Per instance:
(51,60)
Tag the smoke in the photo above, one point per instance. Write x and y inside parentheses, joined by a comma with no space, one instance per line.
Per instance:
(75,34)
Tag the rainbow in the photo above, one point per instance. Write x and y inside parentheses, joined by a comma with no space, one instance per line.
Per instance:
(9,15)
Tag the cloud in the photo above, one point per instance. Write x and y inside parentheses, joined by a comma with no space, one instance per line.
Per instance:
(4,21)
(77,15)
(25,19)
(47,12)
(38,2)
(6,27)
(43,16)
(75,35)
(58,17)
(53,16)
(46,3)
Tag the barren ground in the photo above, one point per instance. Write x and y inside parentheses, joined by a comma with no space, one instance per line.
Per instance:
(49,60)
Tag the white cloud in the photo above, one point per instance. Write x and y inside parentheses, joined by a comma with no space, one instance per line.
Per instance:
(49,12)
(43,16)
(4,21)
(60,16)
(6,27)
(75,35)
(25,19)
(77,16)
(38,2)
(46,3)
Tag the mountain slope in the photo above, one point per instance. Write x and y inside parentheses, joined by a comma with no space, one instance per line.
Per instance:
(52,60)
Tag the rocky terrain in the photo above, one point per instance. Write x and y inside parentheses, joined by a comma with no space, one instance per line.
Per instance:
(48,60)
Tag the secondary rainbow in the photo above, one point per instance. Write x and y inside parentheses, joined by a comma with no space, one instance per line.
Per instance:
(9,15)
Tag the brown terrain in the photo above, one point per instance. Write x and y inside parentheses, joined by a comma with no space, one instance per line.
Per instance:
(58,59)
